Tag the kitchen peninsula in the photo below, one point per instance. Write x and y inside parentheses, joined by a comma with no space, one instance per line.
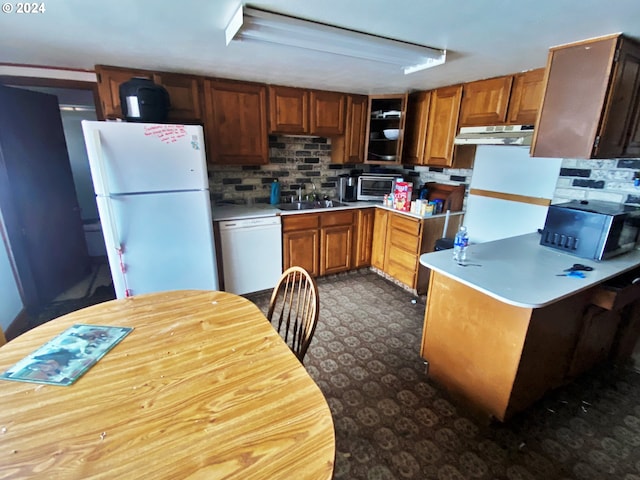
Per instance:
(504,329)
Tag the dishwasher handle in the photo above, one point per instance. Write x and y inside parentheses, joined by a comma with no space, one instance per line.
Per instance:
(245,223)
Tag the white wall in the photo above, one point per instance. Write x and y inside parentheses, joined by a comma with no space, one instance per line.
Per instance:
(508,170)
(10,302)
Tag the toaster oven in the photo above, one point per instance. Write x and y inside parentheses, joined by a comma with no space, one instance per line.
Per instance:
(591,229)
(375,186)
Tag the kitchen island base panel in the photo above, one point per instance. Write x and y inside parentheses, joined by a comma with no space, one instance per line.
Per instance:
(499,358)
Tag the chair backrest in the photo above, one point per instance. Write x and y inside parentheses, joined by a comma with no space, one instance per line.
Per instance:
(293,309)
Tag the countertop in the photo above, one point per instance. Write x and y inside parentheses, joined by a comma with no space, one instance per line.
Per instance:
(237,212)
(521,272)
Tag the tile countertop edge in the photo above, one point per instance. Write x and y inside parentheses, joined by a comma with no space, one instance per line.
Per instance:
(237,212)
(521,272)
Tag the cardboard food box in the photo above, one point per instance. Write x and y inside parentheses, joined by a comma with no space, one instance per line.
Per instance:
(402,196)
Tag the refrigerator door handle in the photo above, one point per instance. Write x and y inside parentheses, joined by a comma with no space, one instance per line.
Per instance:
(104,182)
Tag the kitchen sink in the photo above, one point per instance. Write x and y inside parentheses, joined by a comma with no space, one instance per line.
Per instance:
(310,205)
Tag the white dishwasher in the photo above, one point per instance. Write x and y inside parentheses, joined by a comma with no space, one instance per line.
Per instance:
(251,253)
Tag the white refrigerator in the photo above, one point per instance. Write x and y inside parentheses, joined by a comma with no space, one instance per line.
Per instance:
(153,200)
(509,192)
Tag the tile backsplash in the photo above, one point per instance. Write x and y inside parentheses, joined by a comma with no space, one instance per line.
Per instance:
(610,180)
(294,161)
(297,161)
(300,161)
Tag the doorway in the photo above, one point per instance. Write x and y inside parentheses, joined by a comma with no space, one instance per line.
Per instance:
(77,101)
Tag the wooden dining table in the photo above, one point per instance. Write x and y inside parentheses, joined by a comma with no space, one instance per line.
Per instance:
(202,388)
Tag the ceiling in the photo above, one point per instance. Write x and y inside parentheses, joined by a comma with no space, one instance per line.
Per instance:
(483,38)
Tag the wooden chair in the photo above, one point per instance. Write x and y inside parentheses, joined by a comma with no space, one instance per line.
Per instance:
(293,309)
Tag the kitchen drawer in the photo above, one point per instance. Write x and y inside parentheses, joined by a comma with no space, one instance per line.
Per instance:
(405,241)
(402,266)
(402,258)
(405,276)
(342,217)
(292,223)
(405,224)
(617,293)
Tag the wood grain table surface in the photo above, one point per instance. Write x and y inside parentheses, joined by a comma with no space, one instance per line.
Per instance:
(203,387)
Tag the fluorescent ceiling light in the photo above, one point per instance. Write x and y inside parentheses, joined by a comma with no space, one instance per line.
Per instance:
(260,25)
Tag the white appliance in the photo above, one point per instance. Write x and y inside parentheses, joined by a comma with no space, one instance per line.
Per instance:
(251,253)
(152,193)
(506,189)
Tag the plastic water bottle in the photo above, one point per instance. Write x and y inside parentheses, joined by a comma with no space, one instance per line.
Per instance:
(460,244)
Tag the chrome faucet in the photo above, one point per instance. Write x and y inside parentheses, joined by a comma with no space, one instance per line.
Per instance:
(300,193)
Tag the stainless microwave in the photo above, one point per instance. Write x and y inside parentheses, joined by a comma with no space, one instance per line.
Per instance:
(376,186)
(591,229)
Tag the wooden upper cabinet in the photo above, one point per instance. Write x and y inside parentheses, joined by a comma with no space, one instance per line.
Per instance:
(509,100)
(184,94)
(288,110)
(356,127)
(620,131)
(386,112)
(349,148)
(526,95)
(444,110)
(591,101)
(416,132)
(327,113)
(485,102)
(109,81)
(236,122)
(298,111)
(416,125)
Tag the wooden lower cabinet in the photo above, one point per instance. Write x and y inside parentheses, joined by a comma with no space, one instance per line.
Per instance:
(301,249)
(381,219)
(400,239)
(403,248)
(505,357)
(301,242)
(595,340)
(322,243)
(364,237)
(336,243)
